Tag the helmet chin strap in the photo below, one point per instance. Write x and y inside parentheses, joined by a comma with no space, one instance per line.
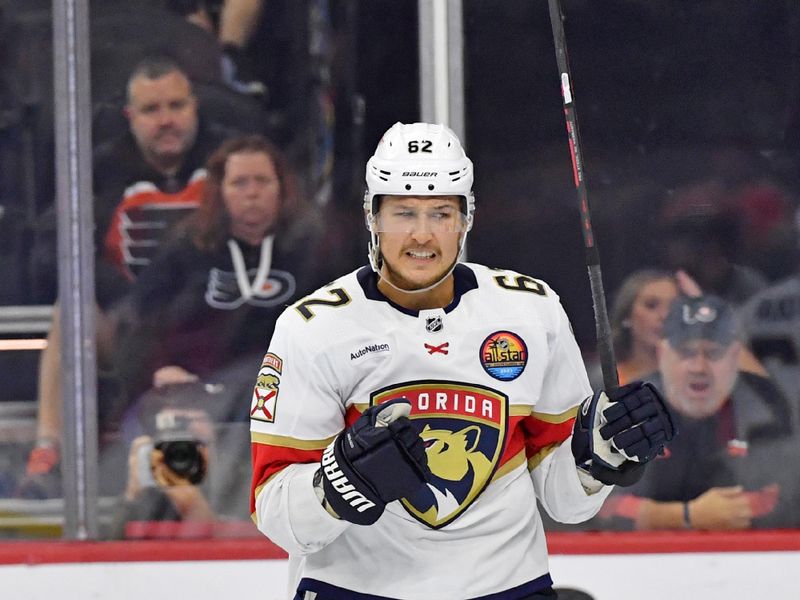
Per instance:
(375,261)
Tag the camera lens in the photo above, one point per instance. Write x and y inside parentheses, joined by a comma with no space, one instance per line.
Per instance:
(184,458)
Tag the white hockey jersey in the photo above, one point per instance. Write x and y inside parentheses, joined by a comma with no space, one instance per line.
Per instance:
(494,381)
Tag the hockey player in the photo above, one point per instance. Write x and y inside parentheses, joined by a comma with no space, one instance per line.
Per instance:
(409,415)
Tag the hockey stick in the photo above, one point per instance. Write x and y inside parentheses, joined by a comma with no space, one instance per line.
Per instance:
(605,348)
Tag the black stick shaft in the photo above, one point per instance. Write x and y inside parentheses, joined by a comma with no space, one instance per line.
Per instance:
(605,348)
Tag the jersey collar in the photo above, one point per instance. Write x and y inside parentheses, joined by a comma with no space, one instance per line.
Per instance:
(464,281)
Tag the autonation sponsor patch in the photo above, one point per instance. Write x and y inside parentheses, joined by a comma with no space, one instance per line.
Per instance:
(370,349)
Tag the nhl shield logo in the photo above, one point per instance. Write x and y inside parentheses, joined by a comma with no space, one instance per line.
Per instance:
(464,430)
(434,324)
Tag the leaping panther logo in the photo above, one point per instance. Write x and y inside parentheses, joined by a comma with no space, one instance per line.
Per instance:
(459,469)
(464,427)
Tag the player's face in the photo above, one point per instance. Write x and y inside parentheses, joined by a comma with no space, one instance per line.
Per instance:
(649,310)
(419,238)
(252,194)
(698,375)
(162,114)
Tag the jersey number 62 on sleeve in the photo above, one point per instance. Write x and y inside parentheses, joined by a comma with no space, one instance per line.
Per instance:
(522,283)
(340,299)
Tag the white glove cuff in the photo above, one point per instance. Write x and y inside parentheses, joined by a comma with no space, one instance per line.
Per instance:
(590,484)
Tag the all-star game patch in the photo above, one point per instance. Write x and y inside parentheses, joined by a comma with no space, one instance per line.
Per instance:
(265,394)
(503,355)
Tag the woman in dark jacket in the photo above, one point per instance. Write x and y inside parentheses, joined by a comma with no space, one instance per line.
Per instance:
(205,308)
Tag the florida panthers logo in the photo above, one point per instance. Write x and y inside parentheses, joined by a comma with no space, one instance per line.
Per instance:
(459,468)
(464,430)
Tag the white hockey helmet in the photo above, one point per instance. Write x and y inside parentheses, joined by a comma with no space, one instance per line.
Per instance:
(417,159)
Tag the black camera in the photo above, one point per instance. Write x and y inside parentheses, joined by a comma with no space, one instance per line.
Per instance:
(181,449)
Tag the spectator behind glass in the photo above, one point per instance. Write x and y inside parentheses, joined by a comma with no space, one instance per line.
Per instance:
(734,464)
(144,181)
(207,304)
(166,470)
(152,176)
(637,316)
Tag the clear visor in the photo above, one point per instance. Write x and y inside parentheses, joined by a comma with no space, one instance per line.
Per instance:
(411,219)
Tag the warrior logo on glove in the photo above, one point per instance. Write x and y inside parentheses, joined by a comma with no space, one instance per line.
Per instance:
(617,433)
(377,460)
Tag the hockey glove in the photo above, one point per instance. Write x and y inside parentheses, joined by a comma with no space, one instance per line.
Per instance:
(616,434)
(380,458)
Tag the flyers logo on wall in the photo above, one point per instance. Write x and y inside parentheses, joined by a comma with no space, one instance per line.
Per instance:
(503,355)
(265,394)
(464,429)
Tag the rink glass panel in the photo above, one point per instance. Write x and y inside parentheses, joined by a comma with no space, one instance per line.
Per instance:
(667,99)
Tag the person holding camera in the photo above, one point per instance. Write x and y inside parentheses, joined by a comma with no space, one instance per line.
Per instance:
(165,473)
